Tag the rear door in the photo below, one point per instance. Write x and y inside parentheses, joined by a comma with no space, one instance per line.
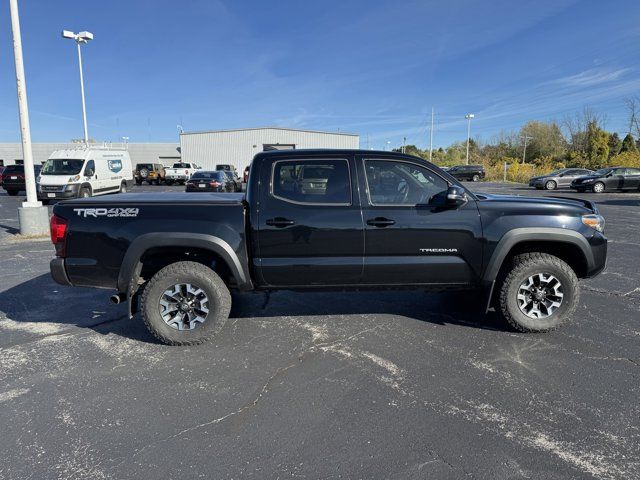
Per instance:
(410,236)
(309,228)
(631,179)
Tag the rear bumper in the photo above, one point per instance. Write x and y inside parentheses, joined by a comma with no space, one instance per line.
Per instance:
(58,271)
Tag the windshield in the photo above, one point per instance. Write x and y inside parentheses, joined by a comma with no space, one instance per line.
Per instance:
(62,166)
(603,171)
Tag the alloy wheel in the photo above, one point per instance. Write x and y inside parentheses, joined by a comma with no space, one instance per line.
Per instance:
(540,295)
(184,306)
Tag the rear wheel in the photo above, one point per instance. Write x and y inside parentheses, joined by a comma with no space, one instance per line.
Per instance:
(475,178)
(138,182)
(598,187)
(550,185)
(539,293)
(185,303)
(12,193)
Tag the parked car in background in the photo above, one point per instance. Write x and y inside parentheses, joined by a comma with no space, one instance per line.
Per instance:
(150,173)
(607,179)
(13,178)
(233,176)
(558,178)
(473,173)
(1,170)
(180,172)
(245,176)
(210,181)
(225,166)
(84,172)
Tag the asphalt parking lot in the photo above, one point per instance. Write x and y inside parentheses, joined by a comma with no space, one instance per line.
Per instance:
(321,385)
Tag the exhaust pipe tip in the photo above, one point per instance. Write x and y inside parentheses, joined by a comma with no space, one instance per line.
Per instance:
(117,298)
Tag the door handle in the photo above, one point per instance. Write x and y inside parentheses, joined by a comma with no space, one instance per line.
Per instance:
(380,222)
(280,222)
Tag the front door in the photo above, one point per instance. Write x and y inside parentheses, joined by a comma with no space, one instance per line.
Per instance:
(411,236)
(310,229)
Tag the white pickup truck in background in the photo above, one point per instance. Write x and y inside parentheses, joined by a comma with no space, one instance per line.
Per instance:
(180,172)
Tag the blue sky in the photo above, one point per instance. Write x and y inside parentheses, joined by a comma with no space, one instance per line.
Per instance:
(373,68)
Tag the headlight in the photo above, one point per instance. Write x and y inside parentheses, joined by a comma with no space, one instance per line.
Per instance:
(74,179)
(594,221)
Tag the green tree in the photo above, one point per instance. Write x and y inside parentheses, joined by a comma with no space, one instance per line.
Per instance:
(546,140)
(614,144)
(597,146)
(628,144)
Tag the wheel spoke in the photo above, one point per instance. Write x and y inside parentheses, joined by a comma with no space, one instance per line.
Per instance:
(183,306)
(540,295)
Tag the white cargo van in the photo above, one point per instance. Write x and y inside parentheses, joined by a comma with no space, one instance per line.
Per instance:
(84,172)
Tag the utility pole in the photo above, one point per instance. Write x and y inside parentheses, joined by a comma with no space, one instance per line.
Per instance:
(524,151)
(431,136)
(34,218)
(468,116)
(404,144)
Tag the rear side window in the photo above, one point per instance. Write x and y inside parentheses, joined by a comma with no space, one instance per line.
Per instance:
(312,181)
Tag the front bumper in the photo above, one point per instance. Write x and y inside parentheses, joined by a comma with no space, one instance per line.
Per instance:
(59,193)
(58,271)
(598,244)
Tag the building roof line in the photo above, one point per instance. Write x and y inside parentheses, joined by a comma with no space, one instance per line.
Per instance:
(269,128)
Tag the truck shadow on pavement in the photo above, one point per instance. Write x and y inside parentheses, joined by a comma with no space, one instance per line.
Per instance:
(442,308)
(40,305)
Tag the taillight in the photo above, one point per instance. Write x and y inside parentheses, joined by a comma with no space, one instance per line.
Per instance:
(59,234)
(215,184)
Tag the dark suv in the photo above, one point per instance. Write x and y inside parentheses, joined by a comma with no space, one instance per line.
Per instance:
(150,173)
(473,173)
(13,178)
(610,178)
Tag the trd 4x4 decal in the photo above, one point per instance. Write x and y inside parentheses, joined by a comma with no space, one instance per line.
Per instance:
(107,212)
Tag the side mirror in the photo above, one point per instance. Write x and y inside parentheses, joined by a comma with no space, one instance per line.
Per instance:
(88,172)
(456,196)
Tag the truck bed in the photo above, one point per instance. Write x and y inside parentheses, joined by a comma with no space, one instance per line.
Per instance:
(171,198)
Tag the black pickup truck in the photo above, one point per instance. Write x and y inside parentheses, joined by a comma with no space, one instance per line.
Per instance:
(328,219)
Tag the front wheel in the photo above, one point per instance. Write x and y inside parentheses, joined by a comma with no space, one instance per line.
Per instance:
(598,187)
(84,193)
(539,293)
(550,185)
(185,303)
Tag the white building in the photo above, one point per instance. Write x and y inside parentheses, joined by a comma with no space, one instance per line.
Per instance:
(238,147)
(165,153)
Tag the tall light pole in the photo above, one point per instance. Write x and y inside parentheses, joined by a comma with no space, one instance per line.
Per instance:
(34,218)
(81,38)
(524,150)
(387,145)
(431,136)
(468,116)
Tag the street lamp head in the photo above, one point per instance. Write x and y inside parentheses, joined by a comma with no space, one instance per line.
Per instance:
(469,116)
(81,37)
(86,36)
(68,34)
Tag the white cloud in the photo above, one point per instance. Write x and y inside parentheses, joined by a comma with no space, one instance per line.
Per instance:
(592,77)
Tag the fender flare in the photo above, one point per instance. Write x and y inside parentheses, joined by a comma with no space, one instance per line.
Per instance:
(543,234)
(131,262)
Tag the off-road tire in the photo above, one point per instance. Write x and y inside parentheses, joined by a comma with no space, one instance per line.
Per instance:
(528,264)
(550,185)
(596,186)
(186,272)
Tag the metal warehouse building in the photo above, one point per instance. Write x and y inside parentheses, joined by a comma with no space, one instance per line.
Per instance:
(165,153)
(237,147)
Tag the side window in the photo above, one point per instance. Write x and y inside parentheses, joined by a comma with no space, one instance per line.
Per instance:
(90,168)
(400,183)
(312,181)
